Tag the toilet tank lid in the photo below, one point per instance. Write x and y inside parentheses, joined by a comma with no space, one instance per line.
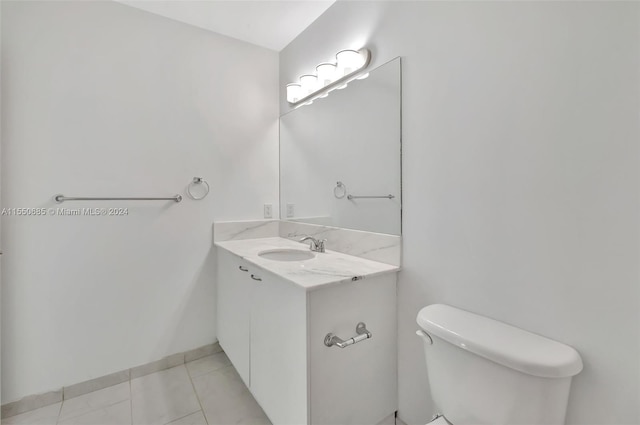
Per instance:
(501,343)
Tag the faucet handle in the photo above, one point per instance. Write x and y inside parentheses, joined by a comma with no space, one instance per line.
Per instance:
(320,245)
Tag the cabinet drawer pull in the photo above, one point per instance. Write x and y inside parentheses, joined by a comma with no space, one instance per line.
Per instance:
(362,333)
(254,277)
(243,269)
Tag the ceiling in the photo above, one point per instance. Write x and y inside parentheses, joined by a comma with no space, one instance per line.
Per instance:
(270,24)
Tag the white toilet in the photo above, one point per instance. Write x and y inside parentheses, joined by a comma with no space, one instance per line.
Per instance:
(482,371)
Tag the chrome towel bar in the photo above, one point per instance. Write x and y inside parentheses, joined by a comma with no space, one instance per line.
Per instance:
(362,333)
(341,190)
(62,198)
(370,197)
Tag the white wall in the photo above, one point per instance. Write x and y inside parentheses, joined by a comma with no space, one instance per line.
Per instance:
(103,99)
(521,183)
(0,201)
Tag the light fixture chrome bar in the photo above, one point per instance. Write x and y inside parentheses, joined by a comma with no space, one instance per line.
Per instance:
(62,198)
(370,197)
(367,60)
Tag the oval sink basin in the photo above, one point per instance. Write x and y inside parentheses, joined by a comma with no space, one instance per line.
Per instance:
(286,255)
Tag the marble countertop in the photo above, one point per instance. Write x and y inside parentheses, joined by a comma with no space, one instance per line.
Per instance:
(325,268)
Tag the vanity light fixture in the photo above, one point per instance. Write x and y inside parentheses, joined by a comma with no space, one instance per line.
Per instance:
(329,76)
(309,84)
(348,61)
(294,92)
(326,73)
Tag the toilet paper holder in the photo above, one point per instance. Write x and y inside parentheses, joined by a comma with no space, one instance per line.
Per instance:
(362,333)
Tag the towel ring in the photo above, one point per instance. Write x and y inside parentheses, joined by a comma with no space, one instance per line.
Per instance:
(340,190)
(198,181)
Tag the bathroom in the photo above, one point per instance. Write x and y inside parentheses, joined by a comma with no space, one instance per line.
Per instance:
(514,170)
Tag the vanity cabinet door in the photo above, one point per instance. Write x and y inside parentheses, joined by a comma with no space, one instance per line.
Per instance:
(279,349)
(233,311)
(354,385)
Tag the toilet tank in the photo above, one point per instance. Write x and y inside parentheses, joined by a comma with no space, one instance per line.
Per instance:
(482,371)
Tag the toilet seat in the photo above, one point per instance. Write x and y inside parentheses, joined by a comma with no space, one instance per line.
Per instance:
(440,420)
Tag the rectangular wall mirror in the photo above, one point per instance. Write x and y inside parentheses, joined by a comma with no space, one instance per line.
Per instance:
(340,157)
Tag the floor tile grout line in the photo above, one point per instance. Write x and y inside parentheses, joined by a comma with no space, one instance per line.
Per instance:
(59,412)
(196,393)
(192,387)
(75,416)
(182,417)
(110,404)
(217,368)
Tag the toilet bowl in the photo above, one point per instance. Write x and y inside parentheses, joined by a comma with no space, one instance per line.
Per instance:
(485,372)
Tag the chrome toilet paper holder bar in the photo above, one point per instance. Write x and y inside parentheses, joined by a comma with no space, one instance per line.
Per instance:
(362,333)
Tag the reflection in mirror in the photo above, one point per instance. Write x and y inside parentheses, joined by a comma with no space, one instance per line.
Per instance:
(340,156)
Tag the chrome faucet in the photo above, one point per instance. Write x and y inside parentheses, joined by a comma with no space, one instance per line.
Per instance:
(316,245)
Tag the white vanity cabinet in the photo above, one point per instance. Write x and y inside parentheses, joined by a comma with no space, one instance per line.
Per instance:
(234,311)
(273,330)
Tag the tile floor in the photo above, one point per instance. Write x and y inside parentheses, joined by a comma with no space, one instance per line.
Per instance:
(206,391)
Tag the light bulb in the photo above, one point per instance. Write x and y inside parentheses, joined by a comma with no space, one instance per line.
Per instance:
(293,92)
(348,62)
(309,84)
(326,73)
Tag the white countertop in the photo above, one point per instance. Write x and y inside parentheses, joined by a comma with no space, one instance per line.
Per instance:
(325,268)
